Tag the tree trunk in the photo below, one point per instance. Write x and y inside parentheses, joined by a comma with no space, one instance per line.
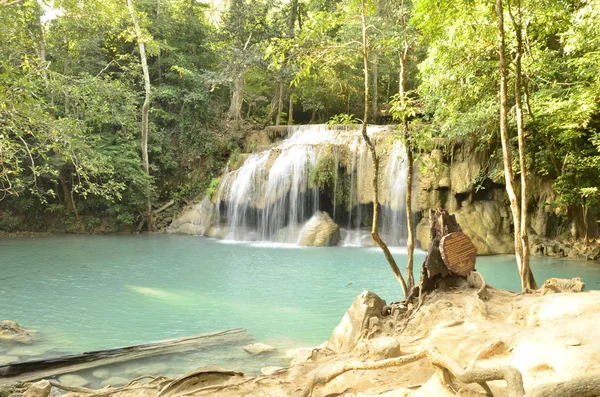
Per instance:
(293,17)
(145,111)
(291,110)
(279,104)
(273,108)
(237,97)
(506,153)
(68,195)
(410,243)
(375,94)
(375,159)
(527,279)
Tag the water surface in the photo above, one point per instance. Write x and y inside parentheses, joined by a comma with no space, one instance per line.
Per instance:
(85,293)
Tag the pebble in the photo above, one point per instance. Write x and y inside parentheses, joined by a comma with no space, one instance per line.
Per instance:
(573,342)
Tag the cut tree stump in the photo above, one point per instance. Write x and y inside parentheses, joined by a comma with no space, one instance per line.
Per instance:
(450,254)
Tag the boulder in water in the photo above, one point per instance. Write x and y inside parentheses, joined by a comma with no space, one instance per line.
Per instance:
(258,348)
(320,231)
(9,330)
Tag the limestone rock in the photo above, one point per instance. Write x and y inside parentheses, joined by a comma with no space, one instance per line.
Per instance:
(557,285)
(487,225)
(423,233)
(379,348)
(241,159)
(216,232)
(38,389)
(73,380)
(259,348)
(462,175)
(196,221)
(356,320)
(9,330)
(269,370)
(320,231)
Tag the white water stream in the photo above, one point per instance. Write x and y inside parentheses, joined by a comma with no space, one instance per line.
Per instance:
(271,196)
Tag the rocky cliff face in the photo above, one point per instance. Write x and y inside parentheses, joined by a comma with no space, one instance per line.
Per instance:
(468,184)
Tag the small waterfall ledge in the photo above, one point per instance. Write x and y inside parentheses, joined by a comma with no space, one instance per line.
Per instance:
(317,177)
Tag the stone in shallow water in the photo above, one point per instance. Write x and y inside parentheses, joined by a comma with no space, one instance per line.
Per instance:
(101,373)
(73,380)
(12,331)
(320,231)
(115,381)
(258,348)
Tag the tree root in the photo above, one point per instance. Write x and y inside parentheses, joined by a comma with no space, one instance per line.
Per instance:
(483,351)
(361,366)
(582,386)
(448,368)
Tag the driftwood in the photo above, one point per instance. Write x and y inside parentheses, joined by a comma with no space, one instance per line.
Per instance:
(37,369)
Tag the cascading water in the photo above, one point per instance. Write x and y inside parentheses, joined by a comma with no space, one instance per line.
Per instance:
(271,195)
(394,225)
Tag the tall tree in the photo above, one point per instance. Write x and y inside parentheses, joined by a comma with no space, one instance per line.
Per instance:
(374,156)
(145,108)
(527,281)
(408,142)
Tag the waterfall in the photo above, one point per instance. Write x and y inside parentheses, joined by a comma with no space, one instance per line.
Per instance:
(272,195)
(394,226)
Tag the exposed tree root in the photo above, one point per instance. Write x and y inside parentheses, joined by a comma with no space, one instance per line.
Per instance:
(448,368)
(193,378)
(582,386)
(484,351)
(361,366)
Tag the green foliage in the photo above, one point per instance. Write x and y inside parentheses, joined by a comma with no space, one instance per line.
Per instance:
(324,173)
(212,188)
(343,119)
(70,123)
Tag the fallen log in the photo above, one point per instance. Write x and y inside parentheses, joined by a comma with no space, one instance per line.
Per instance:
(27,371)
